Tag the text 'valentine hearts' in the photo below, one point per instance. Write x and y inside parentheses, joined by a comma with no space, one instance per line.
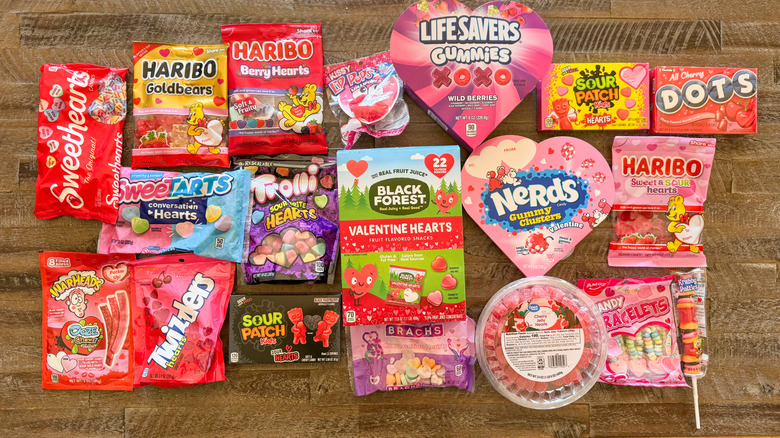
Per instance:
(537,205)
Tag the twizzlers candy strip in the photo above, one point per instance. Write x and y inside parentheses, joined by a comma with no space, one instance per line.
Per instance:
(80,118)
(704,100)
(276,75)
(180,105)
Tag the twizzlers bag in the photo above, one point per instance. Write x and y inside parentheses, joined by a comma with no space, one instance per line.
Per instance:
(180,301)
(86,320)
(80,119)
(276,75)
(661,185)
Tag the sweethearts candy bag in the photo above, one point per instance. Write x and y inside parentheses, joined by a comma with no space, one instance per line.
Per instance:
(203,213)
(180,105)
(294,232)
(276,102)
(642,345)
(366,95)
(180,301)
(661,185)
(86,320)
(407,356)
(80,118)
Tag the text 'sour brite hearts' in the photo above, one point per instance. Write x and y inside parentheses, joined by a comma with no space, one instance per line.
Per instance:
(537,201)
(470,69)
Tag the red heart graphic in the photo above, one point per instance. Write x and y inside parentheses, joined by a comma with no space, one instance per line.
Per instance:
(115,273)
(137,101)
(439,165)
(218,100)
(197,51)
(357,168)
(288,348)
(550,151)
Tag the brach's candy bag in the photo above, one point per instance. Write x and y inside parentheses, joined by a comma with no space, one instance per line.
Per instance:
(704,100)
(366,95)
(661,185)
(80,118)
(540,342)
(537,201)
(642,345)
(276,102)
(594,96)
(180,105)
(86,320)
(407,356)
(180,301)
(294,211)
(159,212)
(469,69)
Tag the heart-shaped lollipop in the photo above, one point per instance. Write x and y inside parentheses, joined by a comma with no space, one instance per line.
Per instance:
(537,201)
(470,69)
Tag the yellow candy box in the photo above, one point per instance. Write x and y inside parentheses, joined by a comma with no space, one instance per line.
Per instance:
(594,96)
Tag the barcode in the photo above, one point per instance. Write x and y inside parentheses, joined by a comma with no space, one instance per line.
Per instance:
(55,378)
(556,360)
(234,357)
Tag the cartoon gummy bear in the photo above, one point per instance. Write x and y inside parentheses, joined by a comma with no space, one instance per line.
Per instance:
(686,228)
(205,133)
(304,104)
(360,283)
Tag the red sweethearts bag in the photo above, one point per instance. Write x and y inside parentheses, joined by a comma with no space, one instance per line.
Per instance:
(80,118)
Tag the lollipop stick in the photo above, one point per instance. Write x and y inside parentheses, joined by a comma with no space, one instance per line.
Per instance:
(694,381)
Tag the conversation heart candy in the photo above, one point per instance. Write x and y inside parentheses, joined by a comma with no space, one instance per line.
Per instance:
(53,145)
(223,223)
(139,225)
(130,212)
(51,115)
(257,216)
(45,132)
(43,105)
(58,104)
(185,229)
(56,91)
(532,201)
(213,212)
(51,161)
(321,201)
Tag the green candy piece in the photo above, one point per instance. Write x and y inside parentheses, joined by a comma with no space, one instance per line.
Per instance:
(139,225)
(321,201)
(319,249)
(75,349)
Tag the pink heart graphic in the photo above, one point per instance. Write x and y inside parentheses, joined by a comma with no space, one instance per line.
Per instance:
(165,52)
(428,48)
(69,364)
(532,236)
(158,101)
(634,76)
(562,91)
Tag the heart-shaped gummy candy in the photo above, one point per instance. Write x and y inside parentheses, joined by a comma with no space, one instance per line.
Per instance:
(439,264)
(434,298)
(449,282)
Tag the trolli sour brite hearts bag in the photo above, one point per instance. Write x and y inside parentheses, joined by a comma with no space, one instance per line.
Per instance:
(276,75)
(86,321)
(80,119)
(179,303)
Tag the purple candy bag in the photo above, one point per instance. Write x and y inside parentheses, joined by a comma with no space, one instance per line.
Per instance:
(390,357)
(294,233)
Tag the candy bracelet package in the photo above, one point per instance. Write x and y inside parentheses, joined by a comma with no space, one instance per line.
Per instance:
(80,119)
(87,343)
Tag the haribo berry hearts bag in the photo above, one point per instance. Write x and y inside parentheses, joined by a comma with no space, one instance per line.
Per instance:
(180,301)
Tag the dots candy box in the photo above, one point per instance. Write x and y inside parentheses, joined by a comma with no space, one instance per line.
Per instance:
(81,114)
(594,96)
(704,100)
(180,105)
(469,69)
(401,235)
(196,212)
(86,320)
(294,231)
(406,356)
(284,328)
(276,88)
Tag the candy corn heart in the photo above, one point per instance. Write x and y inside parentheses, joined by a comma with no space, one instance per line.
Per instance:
(213,212)
(449,282)
(439,264)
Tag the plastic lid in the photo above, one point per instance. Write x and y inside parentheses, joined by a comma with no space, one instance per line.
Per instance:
(541,342)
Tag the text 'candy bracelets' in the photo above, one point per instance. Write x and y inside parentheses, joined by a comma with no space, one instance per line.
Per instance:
(594,96)
(159,212)
(536,201)
(540,342)
(80,118)
(704,100)
(294,232)
(642,336)
(284,328)
(469,69)
(661,185)
(179,305)
(366,95)
(276,94)
(401,235)
(180,105)
(407,356)
(86,320)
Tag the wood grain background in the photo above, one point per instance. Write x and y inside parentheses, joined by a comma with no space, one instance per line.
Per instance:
(740,395)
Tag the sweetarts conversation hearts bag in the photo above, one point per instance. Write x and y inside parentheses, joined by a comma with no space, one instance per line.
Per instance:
(80,118)
(469,69)
(661,185)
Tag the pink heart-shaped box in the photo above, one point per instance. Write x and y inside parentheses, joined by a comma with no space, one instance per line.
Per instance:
(537,201)
(467,69)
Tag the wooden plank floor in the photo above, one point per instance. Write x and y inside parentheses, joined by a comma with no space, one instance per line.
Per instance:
(739,396)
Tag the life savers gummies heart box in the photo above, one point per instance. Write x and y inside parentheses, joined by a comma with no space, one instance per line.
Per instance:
(594,96)
(536,201)
(541,342)
(469,69)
